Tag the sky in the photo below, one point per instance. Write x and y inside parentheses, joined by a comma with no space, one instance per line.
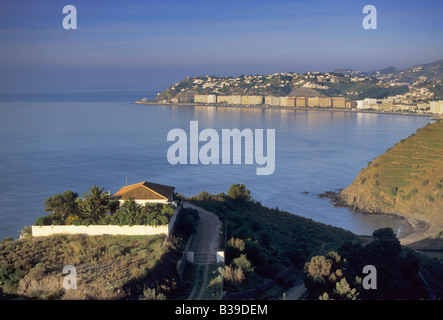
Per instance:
(143,44)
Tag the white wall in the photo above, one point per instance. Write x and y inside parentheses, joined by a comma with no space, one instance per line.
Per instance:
(143,202)
(95,230)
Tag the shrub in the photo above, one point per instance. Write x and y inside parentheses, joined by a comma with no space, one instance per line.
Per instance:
(188,222)
(203,195)
(233,275)
(243,263)
(239,192)
(236,243)
(151,294)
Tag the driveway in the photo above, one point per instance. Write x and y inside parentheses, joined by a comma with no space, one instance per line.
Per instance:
(204,245)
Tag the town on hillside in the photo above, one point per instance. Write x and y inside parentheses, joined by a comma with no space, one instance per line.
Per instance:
(414,90)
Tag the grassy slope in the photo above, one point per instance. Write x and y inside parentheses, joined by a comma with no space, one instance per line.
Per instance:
(277,239)
(406,180)
(106,266)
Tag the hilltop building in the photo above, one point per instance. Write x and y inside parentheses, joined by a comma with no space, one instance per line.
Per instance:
(145,192)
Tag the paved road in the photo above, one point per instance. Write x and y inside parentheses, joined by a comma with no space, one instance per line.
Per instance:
(204,245)
(207,236)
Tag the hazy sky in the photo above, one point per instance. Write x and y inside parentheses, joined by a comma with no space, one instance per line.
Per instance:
(152,44)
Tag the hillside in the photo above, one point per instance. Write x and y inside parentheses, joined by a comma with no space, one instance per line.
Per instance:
(270,241)
(379,84)
(105,265)
(407,180)
(432,71)
(282,84)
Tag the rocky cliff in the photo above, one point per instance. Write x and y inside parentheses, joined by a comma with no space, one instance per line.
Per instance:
(407,180)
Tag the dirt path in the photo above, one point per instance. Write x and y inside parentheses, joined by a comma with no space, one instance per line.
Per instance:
(205,244)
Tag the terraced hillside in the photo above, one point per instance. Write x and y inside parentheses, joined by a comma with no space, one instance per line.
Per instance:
(406,180)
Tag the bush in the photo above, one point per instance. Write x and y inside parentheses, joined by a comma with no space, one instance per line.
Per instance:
(151,294)
(48,220)
(233,275)
(243,263)
(203,195)
(239,192)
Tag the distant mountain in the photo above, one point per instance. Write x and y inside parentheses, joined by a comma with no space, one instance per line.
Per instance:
(432,71)
(383,71)
(348,71)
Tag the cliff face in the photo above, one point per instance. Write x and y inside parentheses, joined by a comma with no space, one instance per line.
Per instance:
(406,180)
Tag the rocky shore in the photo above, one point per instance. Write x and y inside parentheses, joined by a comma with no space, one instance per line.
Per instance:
(414,229)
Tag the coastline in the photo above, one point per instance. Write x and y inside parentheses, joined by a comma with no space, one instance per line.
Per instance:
(414,230)
(285,108)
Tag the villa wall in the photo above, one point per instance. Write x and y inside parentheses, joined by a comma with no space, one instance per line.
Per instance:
(96,230)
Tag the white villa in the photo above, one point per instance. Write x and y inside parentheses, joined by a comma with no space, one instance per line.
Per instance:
(146,192)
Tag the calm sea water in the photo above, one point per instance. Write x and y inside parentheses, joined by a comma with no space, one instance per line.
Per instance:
(50,143)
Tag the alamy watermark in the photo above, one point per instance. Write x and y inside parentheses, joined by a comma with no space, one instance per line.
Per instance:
(370,281)
(370,21)
(70,280)
(70,20)
(209,153)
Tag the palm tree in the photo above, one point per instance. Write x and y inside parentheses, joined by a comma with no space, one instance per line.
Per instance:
(94,204)
(96,193)
(131,206)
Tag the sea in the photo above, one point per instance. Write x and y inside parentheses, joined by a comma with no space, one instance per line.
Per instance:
(51,142)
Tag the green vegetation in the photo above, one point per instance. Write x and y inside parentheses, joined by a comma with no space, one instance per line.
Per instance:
(97,208)
(360,91)
(33,268)
(339,275)
(405,180)
(437,90)
(108,267)
(262,242)
(283,84)
(239,192)
(133,214)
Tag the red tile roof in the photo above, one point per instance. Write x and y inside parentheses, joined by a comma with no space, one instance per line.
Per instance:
(145,191)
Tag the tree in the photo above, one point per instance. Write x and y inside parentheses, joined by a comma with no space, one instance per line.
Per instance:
(239,192)
(94,204)
(323,275)
(62,205)
(233,275)
(343,291)
(203,195)
(243,263)
(156,216)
